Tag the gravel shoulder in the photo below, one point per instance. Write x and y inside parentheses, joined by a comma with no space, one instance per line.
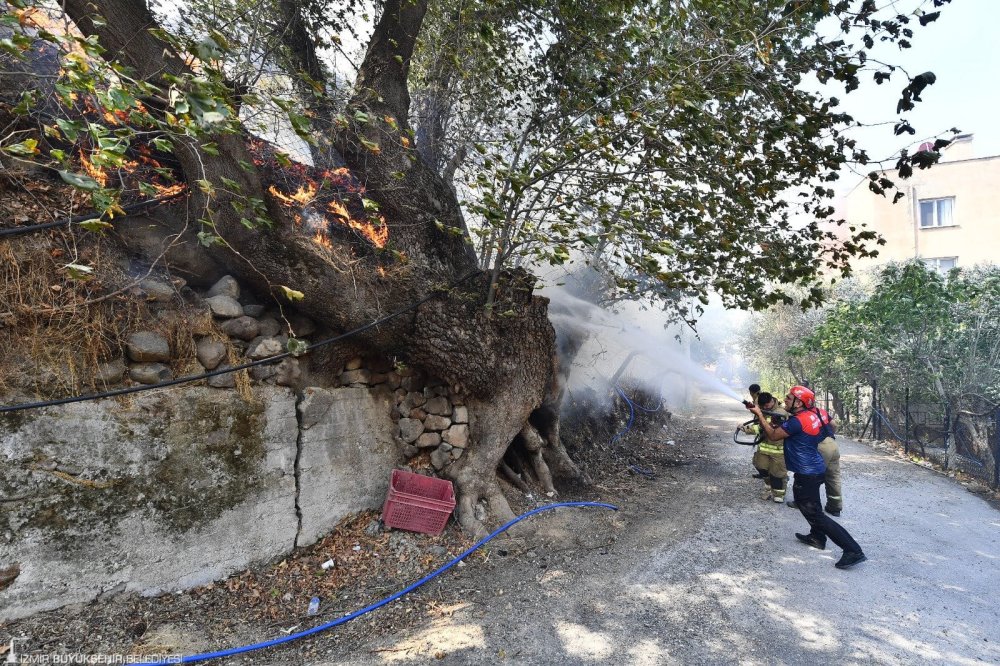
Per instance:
(694,568)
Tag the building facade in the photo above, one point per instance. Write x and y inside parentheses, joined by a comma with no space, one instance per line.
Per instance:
(950,216)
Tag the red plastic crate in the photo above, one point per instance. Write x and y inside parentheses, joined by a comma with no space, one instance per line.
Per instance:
(418,503)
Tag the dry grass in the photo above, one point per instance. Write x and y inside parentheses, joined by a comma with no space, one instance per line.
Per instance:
(49,341)
(55,331)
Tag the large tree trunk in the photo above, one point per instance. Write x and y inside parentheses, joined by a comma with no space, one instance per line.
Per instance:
(303,57)
(502,365)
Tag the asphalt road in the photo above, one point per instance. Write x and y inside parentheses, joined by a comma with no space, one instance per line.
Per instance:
(703,571)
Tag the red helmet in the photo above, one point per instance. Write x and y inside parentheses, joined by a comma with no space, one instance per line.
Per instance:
(807,397)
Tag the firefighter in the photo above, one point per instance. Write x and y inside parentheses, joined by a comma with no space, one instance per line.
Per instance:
(830,451)
(801,434)
(769,459)
(754,390)
(831,456)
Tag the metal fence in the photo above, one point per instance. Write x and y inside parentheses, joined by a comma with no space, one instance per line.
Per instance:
(963,437)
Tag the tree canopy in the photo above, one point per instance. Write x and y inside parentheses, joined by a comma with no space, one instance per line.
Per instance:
(677,147)
(911,328)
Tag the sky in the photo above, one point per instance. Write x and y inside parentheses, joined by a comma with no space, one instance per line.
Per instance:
(961,49)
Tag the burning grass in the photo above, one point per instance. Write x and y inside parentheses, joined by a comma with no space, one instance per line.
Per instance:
(321,201)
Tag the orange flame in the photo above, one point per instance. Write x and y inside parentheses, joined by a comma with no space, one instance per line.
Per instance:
(322,239)
(93,171)
(337,174)
(164,191)
(303,196)
(338,209)
(378,235)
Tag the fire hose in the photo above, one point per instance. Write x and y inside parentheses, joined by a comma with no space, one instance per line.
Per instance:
(347,618)
(759,435)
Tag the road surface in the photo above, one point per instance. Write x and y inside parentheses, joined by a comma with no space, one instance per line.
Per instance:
(703,571)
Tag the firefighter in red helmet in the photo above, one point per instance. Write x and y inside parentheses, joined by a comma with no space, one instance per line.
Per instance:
(829,449)
(802,432)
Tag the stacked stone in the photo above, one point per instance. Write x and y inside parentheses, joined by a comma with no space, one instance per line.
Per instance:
(428,415)
(371,373)
(431,418)
(252,330)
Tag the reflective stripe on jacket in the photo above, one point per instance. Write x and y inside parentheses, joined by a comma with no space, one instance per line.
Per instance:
(772,448)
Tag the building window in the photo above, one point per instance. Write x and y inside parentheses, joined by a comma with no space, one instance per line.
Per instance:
(941,264)
(937,212)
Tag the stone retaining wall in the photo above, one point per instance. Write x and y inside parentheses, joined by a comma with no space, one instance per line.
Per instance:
(172,488)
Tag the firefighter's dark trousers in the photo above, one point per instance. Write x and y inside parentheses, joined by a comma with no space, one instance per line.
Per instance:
(805,490)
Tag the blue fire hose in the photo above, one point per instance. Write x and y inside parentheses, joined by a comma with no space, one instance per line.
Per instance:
(347,618)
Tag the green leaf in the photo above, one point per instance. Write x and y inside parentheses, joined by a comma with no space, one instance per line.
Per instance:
(27,148)
(106,201)
(291,294)
(162,145)
(210,118)
(207,238)
(80,180)
(96,225)
(26,104)
(219,39)
(297,347)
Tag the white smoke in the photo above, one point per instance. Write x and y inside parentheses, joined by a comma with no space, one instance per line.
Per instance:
(652,356)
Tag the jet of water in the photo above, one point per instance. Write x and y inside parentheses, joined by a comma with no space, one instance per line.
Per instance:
(656,360)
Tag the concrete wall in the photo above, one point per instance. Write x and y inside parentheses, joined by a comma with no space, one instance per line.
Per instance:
(156,494)
(344,432)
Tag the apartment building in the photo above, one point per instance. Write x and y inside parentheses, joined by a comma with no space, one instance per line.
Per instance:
(949,217)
